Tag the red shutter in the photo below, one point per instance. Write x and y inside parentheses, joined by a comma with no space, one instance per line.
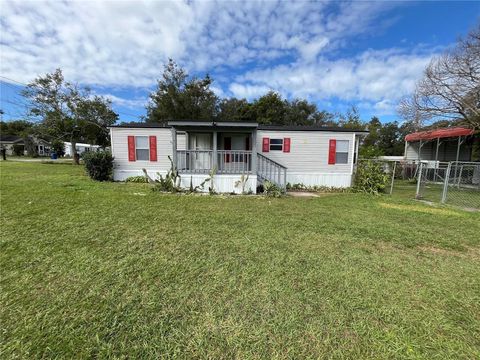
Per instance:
(131,148)
(266,145)
(332,149)
(153,148)
(286,144)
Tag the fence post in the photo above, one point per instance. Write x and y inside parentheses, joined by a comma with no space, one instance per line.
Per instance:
(419,180)
(393,177)
(445,183)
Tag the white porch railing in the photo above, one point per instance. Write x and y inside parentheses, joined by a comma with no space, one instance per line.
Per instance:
(227,161)
(270,170)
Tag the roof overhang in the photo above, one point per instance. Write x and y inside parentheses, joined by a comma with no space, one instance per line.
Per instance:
(438,134)
(213,124)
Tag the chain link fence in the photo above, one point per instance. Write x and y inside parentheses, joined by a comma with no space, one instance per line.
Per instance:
(462,184)
(453,183)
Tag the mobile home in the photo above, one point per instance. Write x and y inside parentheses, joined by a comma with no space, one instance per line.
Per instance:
(309,155)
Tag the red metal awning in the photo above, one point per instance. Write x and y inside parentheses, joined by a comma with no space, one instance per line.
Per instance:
(440,133)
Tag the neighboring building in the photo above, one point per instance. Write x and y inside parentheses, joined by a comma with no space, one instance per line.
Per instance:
(7,142)
(81,148)
(43,147)
(281,154)
(448,144)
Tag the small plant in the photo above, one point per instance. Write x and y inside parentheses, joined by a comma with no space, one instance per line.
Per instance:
(242,182)
(137,179)
(370,177)
(316,188)
(271,190)
(171,181)
(193,189)
(211,188)
(99,165)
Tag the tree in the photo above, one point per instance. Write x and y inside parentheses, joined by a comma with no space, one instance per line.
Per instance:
(300,112)
(179,98)
(389,139)
(234,109)
(373,127)
(351,120)
(450,87)
(66,111)
(324,118)
(58,147)
(270,109)
(16,127)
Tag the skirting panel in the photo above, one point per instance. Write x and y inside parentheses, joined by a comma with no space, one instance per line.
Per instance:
(320,179)
(222,183)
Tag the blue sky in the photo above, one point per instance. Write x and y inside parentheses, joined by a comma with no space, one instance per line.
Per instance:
(336,54)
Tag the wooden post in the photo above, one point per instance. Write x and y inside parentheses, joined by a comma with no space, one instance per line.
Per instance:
(254,152)
(174,146)
(214,153)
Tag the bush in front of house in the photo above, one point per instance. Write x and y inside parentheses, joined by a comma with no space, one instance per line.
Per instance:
(370,177)
(137,179)
(99,165)
(271,190)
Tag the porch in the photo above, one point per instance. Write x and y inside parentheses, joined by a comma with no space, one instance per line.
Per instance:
(225,148)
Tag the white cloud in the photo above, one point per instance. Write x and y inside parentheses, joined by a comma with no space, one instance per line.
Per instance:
(125,43)
(127,103)
(378,78)
(248,91)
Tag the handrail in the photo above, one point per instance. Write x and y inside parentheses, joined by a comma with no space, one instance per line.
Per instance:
(270,170)
(272,161)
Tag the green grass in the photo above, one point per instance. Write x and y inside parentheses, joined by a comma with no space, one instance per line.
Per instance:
(112,270)
(462,197)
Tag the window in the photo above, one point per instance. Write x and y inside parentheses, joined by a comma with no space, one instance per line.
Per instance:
(142,148)
(341,154)
(276,144)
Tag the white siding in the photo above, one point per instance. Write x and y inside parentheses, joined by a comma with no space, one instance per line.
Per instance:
(123,168)
(307,161)
(222,183)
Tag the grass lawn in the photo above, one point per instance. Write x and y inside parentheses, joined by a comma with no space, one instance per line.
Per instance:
(114,270)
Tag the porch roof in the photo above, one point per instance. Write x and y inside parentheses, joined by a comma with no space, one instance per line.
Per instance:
(439,133)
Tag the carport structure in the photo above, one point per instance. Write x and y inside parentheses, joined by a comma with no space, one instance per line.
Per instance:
(448,144)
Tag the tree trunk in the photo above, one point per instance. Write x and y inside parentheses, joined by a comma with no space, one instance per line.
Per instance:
(76,157)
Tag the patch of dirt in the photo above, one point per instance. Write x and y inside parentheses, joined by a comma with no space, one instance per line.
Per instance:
(470,252)
(302,194)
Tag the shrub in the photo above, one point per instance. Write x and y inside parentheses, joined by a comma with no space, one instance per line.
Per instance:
(271,190)
(58,147)
(316,188)
(370,177)
(137,179)
(99,165)
(18,150)
(169,183)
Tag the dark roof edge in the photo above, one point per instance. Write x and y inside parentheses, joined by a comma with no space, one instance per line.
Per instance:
(260,127)
(308,128)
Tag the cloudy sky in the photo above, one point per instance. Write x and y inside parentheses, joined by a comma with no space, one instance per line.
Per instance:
(336,54)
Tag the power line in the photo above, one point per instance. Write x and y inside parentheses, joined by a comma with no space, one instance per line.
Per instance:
(21,83)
